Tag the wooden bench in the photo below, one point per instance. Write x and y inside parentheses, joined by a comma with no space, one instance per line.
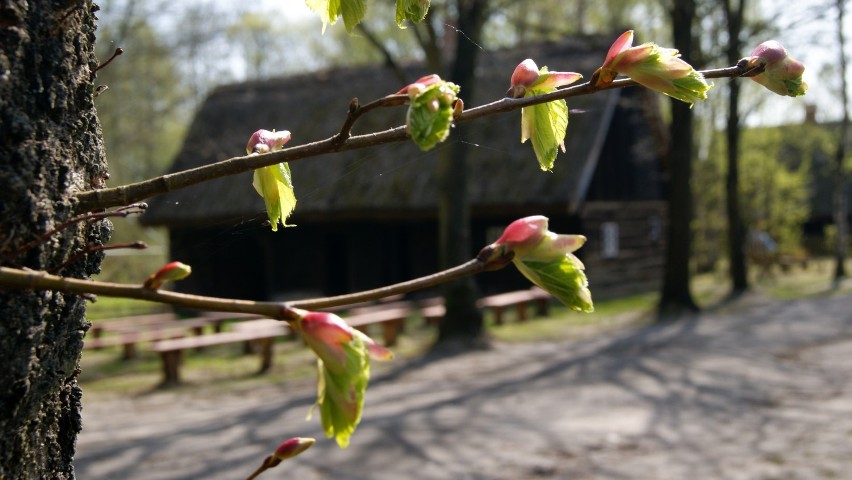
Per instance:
(432,310)
(100,326)
(261,331)
(391,319)
(127,333)
(128,340)
(520,300)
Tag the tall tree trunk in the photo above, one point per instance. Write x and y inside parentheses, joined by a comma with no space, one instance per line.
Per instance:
(50,147)
(736,230)
(463,321)
(840,209)
(675,297)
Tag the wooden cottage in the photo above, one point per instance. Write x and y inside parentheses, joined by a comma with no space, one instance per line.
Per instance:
(368,218)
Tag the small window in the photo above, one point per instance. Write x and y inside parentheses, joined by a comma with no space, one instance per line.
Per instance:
(655,228)
(609,240)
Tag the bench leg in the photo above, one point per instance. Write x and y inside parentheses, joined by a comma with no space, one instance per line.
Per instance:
(390,331)
(542,307)
(171,366)
(522,311)
(129,351)
(266,353)
(498,315)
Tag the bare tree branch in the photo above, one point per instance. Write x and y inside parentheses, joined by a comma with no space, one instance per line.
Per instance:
(123,195)
(14,278)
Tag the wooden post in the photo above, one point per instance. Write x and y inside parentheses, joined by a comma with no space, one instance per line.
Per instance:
(171,365)
(266,353)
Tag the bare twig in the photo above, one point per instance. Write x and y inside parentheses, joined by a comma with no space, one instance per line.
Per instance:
(13,278)
(356,111)
(92,248)
(118,51)
(86,217)
(110,197)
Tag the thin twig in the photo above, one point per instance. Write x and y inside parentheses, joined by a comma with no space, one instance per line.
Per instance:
(356,111)
(86,217)
(13,278)
(118,51)
(92,248)
(110,197)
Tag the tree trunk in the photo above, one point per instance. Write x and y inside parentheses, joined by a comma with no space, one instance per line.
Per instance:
(840,209)
(463,321)
(675,297)
(50,147)
(736,230)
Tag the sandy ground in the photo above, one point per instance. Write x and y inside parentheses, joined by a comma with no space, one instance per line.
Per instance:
(760,391)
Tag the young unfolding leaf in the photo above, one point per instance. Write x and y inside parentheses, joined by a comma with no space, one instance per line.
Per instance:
(430,114)
(546,259)
(782,74)
(545,123)
(411,10)
(654,67)
(274,183)
(343,363)
(328,10)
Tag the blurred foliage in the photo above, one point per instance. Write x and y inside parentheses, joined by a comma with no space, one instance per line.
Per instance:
(781,170)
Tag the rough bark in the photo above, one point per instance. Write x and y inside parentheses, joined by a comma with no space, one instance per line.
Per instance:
(675,297)
(462,321)
(50,146)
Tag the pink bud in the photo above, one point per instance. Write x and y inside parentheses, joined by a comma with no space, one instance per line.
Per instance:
(168,273)
(770,52)
(288,449)
(525,73)
(421,83)
(781,73)
(325,332)
(292,447)
(525,233)
(529,238)
(263,141)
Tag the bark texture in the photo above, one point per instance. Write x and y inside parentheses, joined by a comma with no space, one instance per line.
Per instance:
(50,147)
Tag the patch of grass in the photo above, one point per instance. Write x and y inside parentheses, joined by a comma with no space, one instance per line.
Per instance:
(563,323)
(222,368)
(226,369)
(111,307)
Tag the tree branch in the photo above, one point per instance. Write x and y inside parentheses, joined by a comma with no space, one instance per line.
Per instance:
(123,195)
(13,278)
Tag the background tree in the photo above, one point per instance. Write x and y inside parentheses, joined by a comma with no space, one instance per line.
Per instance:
(51,148)
(734,15)
(839,202)
(675,296)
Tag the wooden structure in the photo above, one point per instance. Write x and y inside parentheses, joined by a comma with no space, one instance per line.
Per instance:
(368,218)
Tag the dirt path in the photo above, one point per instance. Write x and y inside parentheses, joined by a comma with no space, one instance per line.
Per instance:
(763,393)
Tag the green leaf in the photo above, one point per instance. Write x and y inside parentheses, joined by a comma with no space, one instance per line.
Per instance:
(340,392)
(563,278)
(353,12)
(546,124)
(275,184)
(328,11)
(430,114)
(411,10)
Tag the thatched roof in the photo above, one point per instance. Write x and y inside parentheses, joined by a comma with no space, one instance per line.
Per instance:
(392,179)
